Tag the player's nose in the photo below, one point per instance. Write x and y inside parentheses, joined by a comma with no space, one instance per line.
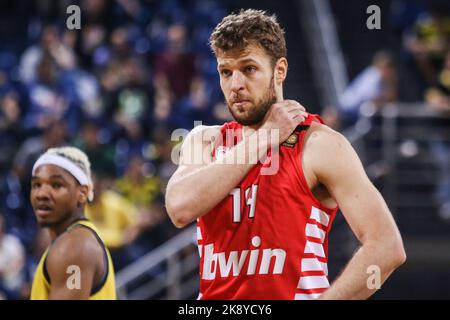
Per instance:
(237,81)
(42,193)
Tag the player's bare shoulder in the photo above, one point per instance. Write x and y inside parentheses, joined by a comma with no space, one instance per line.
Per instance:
(325,148)
(327,153)
(322,139)
(74,246)
(204,132)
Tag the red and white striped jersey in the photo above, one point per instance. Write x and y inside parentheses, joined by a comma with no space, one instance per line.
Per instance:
(269,238)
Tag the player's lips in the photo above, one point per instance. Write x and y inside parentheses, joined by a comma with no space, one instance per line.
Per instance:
(240,103)
(43,210)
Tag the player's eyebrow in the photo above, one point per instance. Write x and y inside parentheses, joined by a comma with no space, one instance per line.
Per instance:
(243,61)
(53,176)
(57,176)
(248,60)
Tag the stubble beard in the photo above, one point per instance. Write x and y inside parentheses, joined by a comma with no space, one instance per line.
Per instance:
(258,111)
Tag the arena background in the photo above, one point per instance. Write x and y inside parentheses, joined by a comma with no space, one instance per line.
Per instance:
(138,69)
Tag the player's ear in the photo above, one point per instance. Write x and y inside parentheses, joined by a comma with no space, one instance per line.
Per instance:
(281,68)
(82,194)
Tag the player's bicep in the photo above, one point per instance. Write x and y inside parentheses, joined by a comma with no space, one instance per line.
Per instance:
(338,167)
(71,273)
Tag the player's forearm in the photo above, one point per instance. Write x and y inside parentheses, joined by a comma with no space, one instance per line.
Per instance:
(366,272)
(194,194)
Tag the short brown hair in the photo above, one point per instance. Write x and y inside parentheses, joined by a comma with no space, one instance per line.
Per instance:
(237,31)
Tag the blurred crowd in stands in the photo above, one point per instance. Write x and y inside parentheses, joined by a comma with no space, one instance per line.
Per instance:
(422,62)
(116,89)
(423,27)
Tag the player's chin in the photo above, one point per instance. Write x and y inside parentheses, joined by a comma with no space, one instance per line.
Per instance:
(44,224)
(45,221)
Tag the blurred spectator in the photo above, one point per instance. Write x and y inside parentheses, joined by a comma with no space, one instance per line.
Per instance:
(46,100)
(93,35)
(139,13)
(139,185)
(14,203)
(144,190)
(11,129)
(110,80)
(54,135)
(134,98)
(12,261)
(429,40)
(440,149)
(438,100)
(404,13)
(330,116)
(177,63)
(377,83)
(175,71)
(132,141)
(133,114)
(93,140)
(120,48)
(162,154)
(438,96)
(50,46)
(81,92)
(196,105)
(116,219)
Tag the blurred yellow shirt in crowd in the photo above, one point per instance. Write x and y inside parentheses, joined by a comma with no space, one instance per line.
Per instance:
(142,194)
(113,215)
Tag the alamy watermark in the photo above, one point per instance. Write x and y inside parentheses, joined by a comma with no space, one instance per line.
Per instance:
(374,20)
(260,146)
(374,280)
(73,22)
(74,280)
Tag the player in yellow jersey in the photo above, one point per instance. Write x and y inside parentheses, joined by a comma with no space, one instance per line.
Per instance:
(76,265)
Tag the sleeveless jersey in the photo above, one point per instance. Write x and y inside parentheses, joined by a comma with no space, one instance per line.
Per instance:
(269,238)
(105,290)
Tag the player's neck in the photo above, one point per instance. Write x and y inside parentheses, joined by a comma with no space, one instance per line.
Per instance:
(279,96)
(56,231)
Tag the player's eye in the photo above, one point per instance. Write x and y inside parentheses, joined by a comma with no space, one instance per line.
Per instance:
(35,185)
(225,73)
(56,185)
(250,69)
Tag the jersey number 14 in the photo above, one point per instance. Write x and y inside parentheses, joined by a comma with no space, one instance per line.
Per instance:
(250,200)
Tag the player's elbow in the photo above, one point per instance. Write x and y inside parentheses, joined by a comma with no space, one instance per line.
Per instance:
(178,213)
(400,255)
(389,250)
(396,253)
(179,223)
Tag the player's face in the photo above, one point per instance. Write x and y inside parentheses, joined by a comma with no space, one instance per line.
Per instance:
(54,195)
(246,79)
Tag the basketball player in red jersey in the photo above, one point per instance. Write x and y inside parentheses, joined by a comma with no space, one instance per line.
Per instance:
(265,236)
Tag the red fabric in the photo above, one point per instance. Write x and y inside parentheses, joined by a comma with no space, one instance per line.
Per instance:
(282,211)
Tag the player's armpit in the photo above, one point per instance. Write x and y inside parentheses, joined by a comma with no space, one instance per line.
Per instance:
(71,265)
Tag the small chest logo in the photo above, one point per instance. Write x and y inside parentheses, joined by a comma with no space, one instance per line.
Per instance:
(291,141)
(220,152)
